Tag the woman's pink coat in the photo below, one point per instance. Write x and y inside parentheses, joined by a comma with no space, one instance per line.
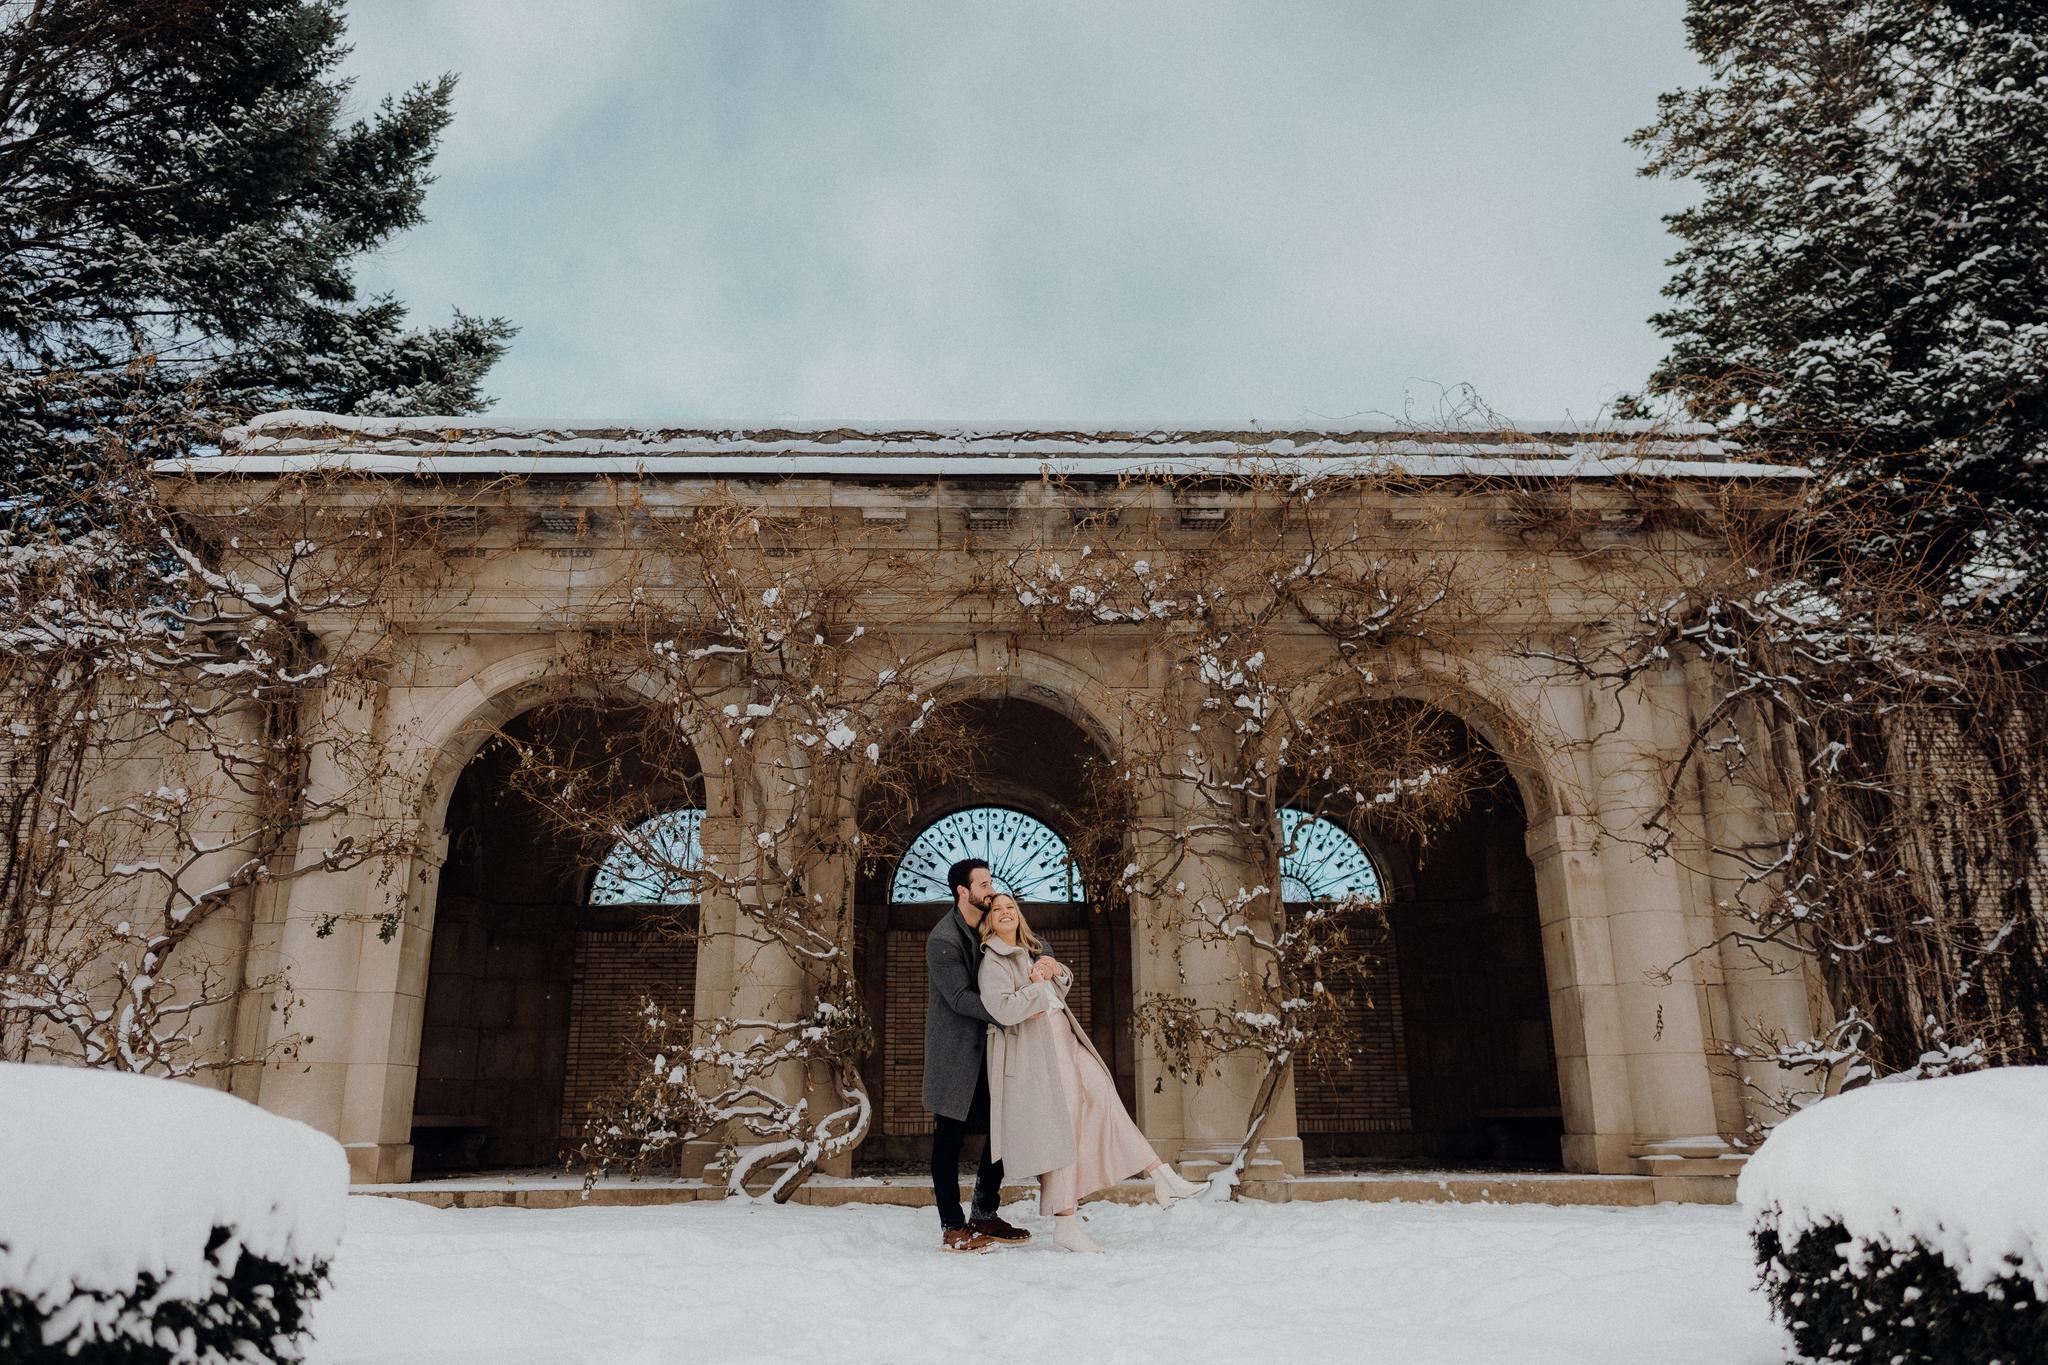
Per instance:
(1029,1127)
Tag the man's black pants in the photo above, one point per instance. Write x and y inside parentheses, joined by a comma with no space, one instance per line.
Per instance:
(948,1137)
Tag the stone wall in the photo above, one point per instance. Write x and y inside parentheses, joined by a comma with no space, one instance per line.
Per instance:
(485,639)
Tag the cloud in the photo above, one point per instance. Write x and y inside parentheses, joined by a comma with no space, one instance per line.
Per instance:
(1081,212)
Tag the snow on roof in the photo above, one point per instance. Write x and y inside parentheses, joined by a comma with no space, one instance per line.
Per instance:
(296,441)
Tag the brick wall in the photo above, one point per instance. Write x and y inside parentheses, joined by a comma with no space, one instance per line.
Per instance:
(1369,1092)
(615,970)
(903,1103)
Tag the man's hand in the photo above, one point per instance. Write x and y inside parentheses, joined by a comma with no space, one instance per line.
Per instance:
(1046,968)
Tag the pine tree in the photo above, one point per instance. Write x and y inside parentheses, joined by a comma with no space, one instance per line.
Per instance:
(182,202)
(1864,282)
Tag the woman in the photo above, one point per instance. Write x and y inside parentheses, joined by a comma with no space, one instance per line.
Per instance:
(1053,1108)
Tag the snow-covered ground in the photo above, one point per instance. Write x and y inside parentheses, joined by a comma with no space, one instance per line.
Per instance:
(726,1283)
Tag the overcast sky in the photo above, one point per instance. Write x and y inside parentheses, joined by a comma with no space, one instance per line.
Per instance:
(1089,212)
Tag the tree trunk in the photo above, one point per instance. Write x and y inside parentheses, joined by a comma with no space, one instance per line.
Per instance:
(1277,1067)
(854,1092)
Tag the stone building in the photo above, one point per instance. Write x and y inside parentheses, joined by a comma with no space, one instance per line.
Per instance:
(1541,1004)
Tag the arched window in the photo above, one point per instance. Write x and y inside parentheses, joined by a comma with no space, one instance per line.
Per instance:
(1323,863)
(655,864)
(1024,856)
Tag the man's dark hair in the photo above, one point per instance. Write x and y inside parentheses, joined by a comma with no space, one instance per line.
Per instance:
(962,873)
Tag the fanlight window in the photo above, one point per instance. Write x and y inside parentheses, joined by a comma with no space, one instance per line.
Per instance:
(656,864)
(1322,862)
(1024,856)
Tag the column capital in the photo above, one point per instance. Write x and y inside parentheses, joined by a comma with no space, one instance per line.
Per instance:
(1548,836)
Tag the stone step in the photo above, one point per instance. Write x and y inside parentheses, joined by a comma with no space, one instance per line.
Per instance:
(1690,1169)
(1464,1187)
(1199,1163)
(1730,1165)
(1703,1148)
(1450,1187)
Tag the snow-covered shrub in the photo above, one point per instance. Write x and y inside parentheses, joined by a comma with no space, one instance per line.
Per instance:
(153,1220)
(1908,1221)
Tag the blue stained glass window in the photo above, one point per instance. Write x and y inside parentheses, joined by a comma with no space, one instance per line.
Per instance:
(1321,862)
(656,864)
(1024,856)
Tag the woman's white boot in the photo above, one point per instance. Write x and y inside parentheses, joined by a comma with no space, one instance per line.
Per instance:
(1167,1185)
(1067,1234)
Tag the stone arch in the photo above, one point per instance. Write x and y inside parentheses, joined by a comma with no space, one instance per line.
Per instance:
(1485,705)
(454,725)
(450,729)
(1025,675)
(1461,1057)
(1030,776)
(1036,676)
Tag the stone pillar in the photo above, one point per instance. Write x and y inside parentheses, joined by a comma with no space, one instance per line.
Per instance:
(226,940)
(1763,985)
(1585,1007)
(1662,1038)
(829,890)
(354,1072)
(1214,1113)
(1155,970)
(717,916)
(763,979)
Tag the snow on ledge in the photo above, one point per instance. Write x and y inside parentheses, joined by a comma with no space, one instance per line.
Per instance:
(1417,465)
(106,1176)
(306,422)
(1957,1163)
(304,442)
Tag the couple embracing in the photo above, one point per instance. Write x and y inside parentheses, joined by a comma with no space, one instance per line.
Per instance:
(1002,1055)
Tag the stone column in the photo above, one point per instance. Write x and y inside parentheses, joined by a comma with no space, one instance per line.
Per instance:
(717,917)
(1764,985)
(1662,1038)
(1585,1007)
(230,937)
(351,1077)
(1214,1113)
(830,891)
(765,980)
(1155,970)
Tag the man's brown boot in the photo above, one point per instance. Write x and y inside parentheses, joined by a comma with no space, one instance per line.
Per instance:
(996,1230)
(964,1239)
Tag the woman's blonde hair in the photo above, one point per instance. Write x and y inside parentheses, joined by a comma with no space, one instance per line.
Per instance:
(1024,934)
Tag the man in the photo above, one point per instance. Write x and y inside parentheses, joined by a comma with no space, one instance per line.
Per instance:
(955,1079)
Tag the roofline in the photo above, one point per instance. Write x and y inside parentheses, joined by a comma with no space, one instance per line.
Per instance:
(1421,464)
(308,424)
(306,443)
(298,442)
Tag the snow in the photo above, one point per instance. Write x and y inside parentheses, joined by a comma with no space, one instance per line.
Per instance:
(734,1281)
(105,1176)
(431,427)
(289,442)
(1411,459)
(1956,1163)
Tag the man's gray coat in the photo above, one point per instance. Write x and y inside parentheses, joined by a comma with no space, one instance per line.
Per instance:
(955,1024)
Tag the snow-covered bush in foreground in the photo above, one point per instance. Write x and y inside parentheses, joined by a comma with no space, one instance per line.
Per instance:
(1909,1221)
(152,1220)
